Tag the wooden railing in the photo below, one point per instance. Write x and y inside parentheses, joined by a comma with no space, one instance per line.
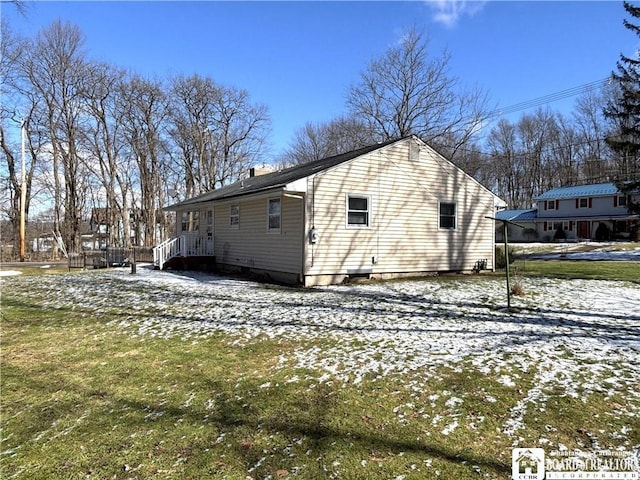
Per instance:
(186,245)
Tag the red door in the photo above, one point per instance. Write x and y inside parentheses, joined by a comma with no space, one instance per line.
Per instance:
(584,230)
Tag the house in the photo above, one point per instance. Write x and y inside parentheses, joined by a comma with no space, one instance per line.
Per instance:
(97,236)
(392,209)
(584,212)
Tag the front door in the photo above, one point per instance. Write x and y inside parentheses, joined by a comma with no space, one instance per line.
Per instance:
(584,230)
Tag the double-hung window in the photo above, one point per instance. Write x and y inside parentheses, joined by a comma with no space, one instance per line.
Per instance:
(358,211)
(274,215)
(234,216)
(448,215)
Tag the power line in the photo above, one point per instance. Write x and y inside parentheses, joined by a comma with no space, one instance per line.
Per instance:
(552,97)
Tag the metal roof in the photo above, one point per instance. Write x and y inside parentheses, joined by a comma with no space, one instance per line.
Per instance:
(518,215)
(594,190)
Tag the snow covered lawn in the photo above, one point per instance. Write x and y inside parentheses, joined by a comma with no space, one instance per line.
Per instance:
(579,335)
(570,339)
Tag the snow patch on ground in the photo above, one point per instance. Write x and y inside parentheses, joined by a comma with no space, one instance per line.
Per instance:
(9,273)
(575,337)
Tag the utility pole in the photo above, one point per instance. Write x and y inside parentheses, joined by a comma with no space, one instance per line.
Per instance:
(23,189)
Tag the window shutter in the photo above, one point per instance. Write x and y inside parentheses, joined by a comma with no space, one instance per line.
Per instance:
(544,226)
(590,202)
(570,225)
(577,203)
(615,201)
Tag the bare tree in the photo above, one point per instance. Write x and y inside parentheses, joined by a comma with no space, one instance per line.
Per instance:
(21,6)
(54,68)
(219,133)
(407,91)
(592,153)
(509,165)
(105,142)
(144,109)
(13,111)
(316,141)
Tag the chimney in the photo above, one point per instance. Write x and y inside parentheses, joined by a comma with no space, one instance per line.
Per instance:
(257,171)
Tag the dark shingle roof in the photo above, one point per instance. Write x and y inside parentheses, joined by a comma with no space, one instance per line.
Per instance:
(279,179)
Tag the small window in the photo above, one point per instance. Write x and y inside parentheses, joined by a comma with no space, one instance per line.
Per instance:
(190,221)
(234,216)
(551,205)
(357,211)
(448,215)
(274,215)
(622,201)
(583,203)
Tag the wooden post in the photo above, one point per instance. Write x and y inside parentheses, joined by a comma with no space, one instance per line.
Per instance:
(133,262)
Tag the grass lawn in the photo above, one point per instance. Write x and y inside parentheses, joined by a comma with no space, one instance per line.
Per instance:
(83,397)
(598,270)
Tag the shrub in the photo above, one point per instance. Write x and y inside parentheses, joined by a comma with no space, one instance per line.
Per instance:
(517,288)
(560,234)
(602,232)
(500,259)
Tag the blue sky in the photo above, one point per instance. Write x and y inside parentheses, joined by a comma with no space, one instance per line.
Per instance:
(299,58)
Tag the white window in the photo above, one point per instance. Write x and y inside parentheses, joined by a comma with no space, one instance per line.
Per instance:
(274,215)
(234,215)
(190,221)
(558,225)
(210,224)
(357,211)
(448,215)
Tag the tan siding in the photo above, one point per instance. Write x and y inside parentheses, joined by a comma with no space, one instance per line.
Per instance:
(403,233)
(251,245)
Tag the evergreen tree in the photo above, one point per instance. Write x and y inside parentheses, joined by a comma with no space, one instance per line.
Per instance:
(624,112)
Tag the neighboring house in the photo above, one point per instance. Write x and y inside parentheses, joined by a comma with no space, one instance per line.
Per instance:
(97,235)
(391,209)
(583,212)
(589,212)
